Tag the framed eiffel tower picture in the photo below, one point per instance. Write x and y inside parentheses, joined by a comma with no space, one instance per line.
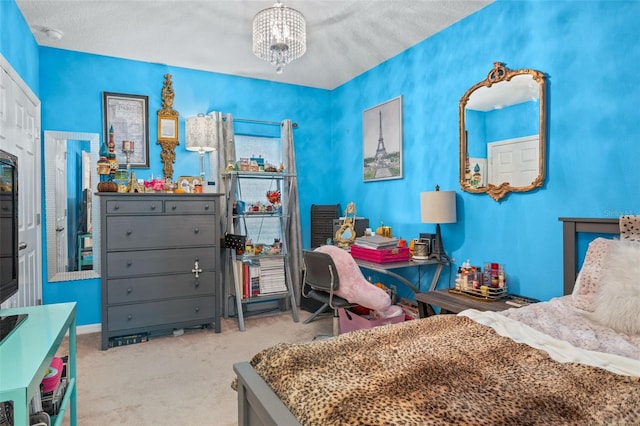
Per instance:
(382,141)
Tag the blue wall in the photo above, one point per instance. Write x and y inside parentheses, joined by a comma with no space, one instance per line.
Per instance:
(72,84)
(588,49)
(18,45)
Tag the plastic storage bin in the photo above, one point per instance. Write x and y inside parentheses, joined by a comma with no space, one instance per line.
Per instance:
(358,318)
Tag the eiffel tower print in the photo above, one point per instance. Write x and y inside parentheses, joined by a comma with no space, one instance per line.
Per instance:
(381,152)
(383,159)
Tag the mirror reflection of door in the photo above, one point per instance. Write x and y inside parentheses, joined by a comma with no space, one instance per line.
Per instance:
(78,205)
(60,164)
(514,161)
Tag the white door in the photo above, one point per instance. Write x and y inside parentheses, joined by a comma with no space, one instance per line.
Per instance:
(60,160)
(20,135)
(514,161)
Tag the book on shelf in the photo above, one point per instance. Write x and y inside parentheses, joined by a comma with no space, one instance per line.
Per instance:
(272,279)
(376,242)
(263,276)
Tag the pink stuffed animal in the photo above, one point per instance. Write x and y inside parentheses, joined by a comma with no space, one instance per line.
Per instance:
(353,286)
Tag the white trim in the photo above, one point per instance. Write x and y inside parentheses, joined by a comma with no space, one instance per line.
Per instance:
(4,63)
(89,328)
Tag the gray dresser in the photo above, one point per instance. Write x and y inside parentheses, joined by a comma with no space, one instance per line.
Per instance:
(160,263)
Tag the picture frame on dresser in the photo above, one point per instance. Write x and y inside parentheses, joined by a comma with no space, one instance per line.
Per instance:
(128,116)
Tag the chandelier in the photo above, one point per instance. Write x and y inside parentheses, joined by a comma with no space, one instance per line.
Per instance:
(279,35)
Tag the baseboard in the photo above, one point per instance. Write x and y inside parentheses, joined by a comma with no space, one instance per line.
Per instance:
(89,328)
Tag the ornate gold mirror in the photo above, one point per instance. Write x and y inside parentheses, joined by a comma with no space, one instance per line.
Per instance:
(503,133)
(346,234)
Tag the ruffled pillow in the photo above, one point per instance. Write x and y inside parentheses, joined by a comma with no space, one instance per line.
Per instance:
(590,275)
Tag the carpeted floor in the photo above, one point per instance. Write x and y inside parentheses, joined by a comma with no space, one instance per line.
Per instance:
(177,380)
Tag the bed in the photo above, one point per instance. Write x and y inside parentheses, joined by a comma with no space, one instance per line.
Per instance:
(558,362)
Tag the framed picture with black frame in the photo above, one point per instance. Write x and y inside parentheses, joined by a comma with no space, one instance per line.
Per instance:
(382,141)
(127,117)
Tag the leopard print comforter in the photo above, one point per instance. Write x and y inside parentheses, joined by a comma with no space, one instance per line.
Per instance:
(442,370)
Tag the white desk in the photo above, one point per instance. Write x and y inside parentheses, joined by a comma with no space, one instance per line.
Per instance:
(26,354)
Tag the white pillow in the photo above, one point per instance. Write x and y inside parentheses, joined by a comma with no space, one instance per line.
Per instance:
(617,301)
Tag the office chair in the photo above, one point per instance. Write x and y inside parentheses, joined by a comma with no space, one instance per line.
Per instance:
(319,283)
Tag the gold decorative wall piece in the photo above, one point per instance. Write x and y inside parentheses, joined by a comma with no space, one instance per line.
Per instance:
(168,128)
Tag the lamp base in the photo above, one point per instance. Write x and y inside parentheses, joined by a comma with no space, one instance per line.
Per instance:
(437,251)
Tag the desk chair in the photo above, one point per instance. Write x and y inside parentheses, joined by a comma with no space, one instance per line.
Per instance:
(320,281)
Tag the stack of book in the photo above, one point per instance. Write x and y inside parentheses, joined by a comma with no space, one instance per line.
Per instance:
(376,242)
(379,249)
(272,275)
(261,276)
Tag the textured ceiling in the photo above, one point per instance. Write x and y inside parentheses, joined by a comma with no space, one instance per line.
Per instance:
(344,37)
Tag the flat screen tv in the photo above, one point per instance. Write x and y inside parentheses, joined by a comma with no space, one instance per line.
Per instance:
(8,239)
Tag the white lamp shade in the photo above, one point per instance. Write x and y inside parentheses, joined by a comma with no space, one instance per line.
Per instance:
(200,133)
(438,207)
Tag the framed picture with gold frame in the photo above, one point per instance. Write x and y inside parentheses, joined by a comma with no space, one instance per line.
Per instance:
(168,127)
(187,183)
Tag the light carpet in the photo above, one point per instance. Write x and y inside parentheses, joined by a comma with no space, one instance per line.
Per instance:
(177,380)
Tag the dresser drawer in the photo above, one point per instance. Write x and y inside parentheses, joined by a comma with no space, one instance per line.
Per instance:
(143,232)
(133,206)
(130,290)
(137,315)
(159,262)
(184,207)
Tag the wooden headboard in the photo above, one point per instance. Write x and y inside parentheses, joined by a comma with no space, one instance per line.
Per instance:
(570,228)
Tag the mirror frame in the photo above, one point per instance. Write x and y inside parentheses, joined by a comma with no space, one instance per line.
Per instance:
(498,74)
(50,190)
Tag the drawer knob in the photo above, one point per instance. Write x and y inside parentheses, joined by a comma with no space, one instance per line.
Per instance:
(153,207)
(129,263)
(129,232)
(196,283)
(173,207)
(206,206)
(197,309)
(196,230)
(129,290)
(129,317)
(116,207)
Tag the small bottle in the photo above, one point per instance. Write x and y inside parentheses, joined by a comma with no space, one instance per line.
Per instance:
(501,277)
(486,275)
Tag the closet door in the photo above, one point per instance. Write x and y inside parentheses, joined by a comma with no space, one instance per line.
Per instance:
(20,135)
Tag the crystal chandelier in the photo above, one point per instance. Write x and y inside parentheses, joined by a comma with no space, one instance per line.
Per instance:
(279,35)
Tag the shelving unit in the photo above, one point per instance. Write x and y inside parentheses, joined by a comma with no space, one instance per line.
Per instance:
(237,224)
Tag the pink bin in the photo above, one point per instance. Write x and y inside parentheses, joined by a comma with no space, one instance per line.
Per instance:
(351,321)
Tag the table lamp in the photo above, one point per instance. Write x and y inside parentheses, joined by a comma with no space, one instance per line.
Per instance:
(200,137)
(438,207)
